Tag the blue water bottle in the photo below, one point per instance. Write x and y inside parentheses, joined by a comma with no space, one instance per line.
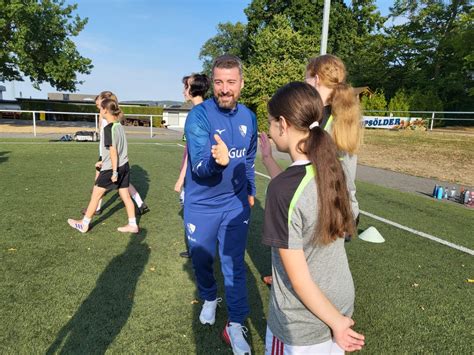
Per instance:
(440,193)
(435,191)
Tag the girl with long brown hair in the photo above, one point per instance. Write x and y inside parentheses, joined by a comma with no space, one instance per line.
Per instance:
(307,215)
(341,118)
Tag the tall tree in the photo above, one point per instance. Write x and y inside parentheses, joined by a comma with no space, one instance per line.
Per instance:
(425,52)
(279,56)
(305,17)
(35,42)
(230,39)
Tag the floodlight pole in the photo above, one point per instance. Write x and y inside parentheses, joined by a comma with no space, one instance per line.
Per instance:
(324,33)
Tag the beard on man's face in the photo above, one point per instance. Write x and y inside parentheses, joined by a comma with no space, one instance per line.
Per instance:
(226,101)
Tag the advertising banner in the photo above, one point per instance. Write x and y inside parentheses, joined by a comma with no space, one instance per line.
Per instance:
(389,122)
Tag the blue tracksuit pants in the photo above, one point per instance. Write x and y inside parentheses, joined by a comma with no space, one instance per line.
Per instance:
(229,230)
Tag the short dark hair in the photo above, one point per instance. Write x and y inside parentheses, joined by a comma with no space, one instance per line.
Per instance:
(185,81)
(199,85)
(227,61)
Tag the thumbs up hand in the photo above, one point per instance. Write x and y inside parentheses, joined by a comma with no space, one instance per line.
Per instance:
(220,152)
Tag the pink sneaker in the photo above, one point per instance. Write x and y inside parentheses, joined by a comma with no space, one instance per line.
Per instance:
(81,227)
(128,229)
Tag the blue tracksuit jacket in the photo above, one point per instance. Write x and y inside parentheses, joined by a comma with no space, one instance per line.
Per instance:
(209,186)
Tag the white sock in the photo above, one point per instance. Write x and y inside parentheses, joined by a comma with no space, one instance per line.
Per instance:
(86,221)
(132,221)
(138,200)
(99,205)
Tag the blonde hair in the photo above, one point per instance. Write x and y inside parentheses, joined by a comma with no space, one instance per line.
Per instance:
(347,128)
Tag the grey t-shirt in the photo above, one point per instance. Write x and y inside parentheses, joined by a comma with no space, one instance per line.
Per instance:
(114,135)
(290,218)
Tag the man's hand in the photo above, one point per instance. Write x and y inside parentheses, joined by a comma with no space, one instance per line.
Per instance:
(114,177)
(220,152)
(251,200)
(345,337)
(98,165)
(265,146)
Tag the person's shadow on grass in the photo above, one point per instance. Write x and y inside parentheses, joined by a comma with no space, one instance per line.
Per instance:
(140,179)
(3,157)
(101,317)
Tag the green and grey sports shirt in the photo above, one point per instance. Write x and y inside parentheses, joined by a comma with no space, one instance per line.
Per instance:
(114,135)
(290,218)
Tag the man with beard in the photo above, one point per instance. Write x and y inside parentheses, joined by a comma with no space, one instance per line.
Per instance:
(220,188)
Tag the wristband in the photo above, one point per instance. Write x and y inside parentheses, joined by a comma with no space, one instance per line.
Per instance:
(115,173)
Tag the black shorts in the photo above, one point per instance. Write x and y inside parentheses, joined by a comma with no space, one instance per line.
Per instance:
(104,179)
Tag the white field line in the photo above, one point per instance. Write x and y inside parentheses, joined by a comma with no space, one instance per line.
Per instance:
(408,229)
(421,234)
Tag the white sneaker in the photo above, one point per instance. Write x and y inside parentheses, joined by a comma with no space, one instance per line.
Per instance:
(234,335)
(208,311)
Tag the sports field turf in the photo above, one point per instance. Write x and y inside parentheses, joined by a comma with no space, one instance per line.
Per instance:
(62,291)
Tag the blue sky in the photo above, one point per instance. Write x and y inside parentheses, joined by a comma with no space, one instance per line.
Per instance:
(141,49)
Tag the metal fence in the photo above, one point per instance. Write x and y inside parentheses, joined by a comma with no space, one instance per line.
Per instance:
(36,114)
(431,116)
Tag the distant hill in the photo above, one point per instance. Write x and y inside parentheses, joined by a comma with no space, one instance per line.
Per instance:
(163,103)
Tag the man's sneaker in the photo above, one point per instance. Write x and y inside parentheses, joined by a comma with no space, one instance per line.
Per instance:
(81,227)
(208,311)
(234,334)
(128,229)
(143,209)
(184,254)
(97,212)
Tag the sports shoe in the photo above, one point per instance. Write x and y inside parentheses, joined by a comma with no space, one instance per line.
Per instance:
(184,254)
(143,209)
(97,212)
(208,311)
(128,229)
(234,334)
(81,227)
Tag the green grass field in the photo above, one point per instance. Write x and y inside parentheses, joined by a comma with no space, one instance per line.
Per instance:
(62,291)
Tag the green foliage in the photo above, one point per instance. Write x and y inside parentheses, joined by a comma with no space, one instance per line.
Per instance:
(262,116)
(400,102)
(305,16)
(425,101)
(431,50)
(375,102)
(279,56)
(35,41)
(230,39)
(422,46)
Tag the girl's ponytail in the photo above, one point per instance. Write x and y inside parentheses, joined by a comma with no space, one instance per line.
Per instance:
(334,214)
(301,106)
(113,107)
(347,127)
